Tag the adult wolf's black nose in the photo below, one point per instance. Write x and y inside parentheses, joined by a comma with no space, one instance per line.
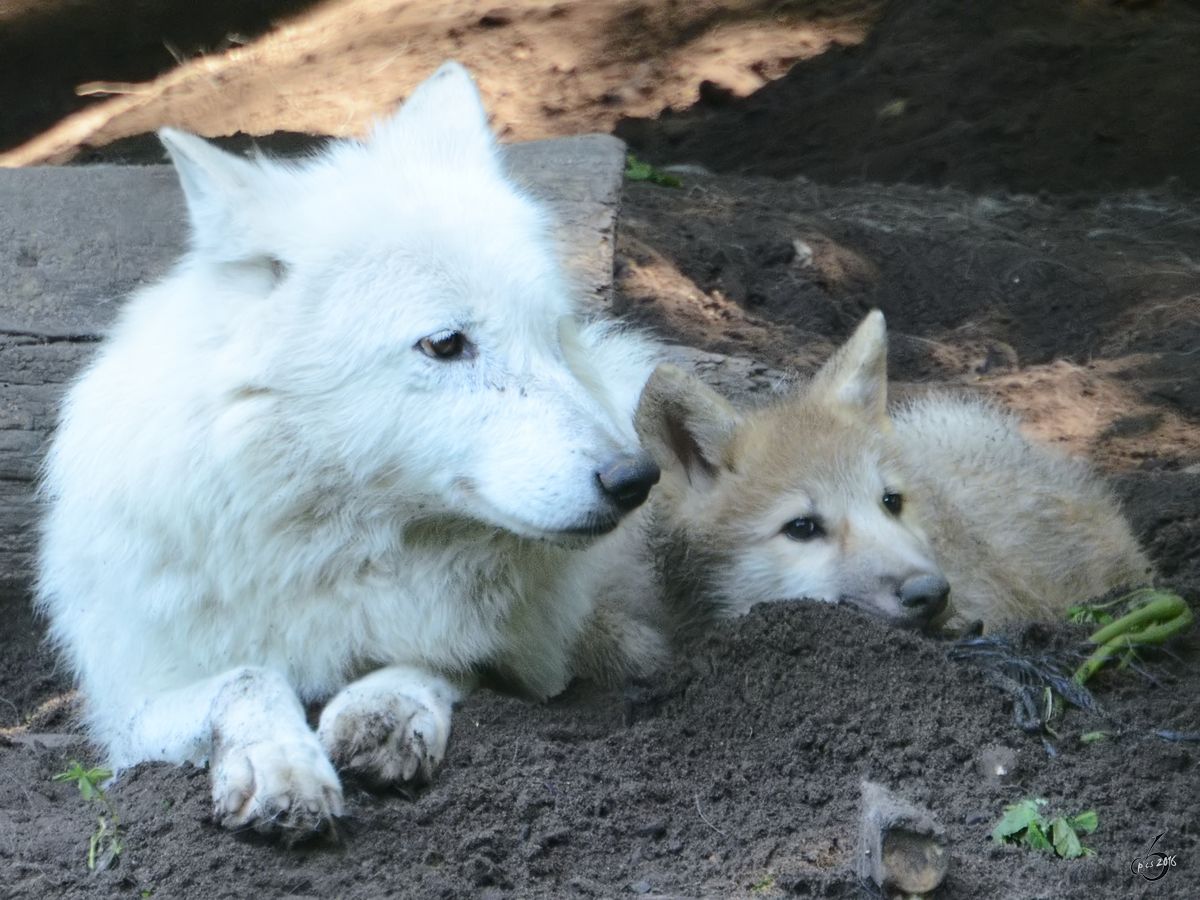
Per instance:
(627,480)
(924,595)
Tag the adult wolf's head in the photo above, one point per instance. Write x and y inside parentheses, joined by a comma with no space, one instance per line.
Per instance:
(392,315)
(805,498)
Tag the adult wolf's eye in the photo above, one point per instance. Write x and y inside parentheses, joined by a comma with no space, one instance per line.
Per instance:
(443,345)
(893,502)
(804,529)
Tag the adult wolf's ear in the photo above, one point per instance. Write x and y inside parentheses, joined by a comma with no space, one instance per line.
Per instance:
(223,194)
(856,375)
(684,423)
(444,117)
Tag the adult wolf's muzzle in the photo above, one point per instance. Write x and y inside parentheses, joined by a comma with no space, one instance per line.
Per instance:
(627,480)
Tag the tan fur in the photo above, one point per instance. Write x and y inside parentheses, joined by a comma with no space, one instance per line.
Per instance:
(1017,530)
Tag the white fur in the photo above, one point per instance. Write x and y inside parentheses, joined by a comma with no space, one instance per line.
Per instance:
(262,486)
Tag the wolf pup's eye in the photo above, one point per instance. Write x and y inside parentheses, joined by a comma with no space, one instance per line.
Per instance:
(804,529)
(893,502)
(444,345)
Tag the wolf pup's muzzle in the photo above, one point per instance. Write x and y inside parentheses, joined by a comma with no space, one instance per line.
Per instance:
(923,596)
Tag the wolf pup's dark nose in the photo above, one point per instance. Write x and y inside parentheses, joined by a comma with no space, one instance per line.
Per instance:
(627,480)
(924,595)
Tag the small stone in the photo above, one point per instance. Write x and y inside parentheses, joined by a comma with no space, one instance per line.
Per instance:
(496,18)
(998,764)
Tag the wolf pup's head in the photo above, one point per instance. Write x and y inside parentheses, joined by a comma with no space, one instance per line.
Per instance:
(390,318)
(805,498)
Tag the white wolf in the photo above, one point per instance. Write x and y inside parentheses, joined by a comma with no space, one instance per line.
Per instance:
(941,514)
(359,446)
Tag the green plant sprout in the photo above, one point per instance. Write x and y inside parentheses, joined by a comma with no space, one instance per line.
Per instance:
(636,170)
(763,884)
(1025,823)
(1154,616)
(104,846)
(1091,613)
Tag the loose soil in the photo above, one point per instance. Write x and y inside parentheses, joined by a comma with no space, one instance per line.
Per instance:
(1014,184)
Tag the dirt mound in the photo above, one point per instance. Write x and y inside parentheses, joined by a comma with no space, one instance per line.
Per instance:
(546,69)
(1081,318)
(50,47)
(736,775)
(1022,95)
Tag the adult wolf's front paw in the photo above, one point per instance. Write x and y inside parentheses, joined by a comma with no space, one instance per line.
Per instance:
(390,727)
(284,787)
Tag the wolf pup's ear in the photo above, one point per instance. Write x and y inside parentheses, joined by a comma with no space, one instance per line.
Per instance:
(856,375)
(443,118)
(222,193)
(684,423)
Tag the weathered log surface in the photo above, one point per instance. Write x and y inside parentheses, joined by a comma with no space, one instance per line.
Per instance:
(75,241)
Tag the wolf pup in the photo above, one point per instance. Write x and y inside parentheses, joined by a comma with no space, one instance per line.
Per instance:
(357,447)
(940,514)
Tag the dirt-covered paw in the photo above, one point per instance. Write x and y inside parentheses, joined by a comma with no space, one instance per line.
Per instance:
(286,788)
(386,736)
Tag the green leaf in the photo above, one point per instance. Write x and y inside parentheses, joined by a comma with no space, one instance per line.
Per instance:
(1085,822)
(75,772)
(1066,842)
(1036,838)
(1092,736)
(636,170)
(1088,615)
(1016,819)
(1024,823)
(85,788)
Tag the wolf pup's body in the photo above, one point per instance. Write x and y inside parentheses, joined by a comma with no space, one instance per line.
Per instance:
(356,446)
(940,515)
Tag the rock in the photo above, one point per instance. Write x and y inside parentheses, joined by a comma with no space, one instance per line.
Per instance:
(902,847)
(998,764)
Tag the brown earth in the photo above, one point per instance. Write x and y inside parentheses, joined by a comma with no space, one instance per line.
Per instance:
(1013,183)
(545,68)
